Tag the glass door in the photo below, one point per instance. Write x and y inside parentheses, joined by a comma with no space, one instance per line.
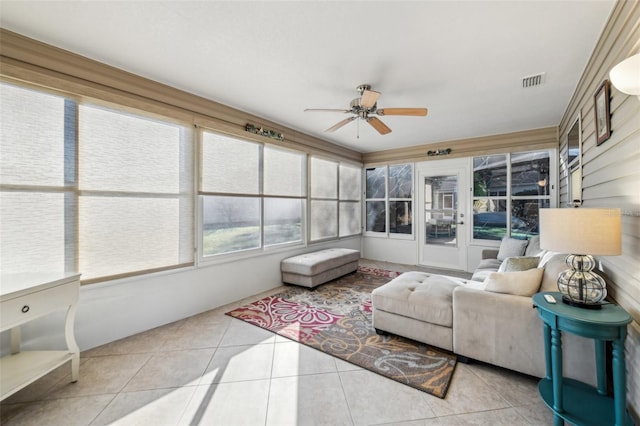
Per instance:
(441,209)
(442,222)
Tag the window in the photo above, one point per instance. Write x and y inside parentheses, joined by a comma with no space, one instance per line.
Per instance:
(390,209)
(334,199)
(400,193)
(350,213)
(92,189)
(323,218)
(252,195)
(109,192)
(508,191)
(376,196)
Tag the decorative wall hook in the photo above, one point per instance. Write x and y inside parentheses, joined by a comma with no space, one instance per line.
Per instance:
(439,152)
(264,132)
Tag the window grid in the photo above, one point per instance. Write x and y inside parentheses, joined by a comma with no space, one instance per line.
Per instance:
(350,206)
(236,222)
(504,206)
(389,200)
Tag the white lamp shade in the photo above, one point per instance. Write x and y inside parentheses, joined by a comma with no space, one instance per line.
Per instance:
(626,75)
(581,231)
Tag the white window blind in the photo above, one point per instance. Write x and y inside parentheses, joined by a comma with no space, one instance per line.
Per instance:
(324,178)
(323,215)
(229,165)
(32,179)
(253,195)
(284,172)
(103,192)
(135,179)
(350,215)
(335,199)
(284,176)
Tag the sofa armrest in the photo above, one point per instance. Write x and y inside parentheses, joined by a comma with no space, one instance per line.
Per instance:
(501,329)
(489,254)
(505,330)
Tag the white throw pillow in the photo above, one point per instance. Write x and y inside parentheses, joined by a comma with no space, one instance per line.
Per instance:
(511,247)
(520,283)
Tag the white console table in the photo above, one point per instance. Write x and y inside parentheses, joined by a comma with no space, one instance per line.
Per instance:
(23,298)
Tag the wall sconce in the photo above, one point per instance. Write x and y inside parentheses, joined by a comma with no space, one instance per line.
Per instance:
(439,152)
(626,76)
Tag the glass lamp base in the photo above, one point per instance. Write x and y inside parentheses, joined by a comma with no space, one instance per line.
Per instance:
(579,285)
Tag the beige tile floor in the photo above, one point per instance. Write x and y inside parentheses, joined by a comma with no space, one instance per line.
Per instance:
(211,369)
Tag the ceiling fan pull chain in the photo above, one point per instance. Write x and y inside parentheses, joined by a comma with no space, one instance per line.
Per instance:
(358,130)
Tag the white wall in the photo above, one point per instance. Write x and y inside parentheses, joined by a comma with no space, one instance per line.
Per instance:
(390,250)
(406,251)
(112,310)
(611,171)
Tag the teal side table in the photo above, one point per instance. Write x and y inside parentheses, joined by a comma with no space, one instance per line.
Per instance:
(569,399)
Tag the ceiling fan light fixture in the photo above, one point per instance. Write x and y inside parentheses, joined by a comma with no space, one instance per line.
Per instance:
(369,99)
(366,105)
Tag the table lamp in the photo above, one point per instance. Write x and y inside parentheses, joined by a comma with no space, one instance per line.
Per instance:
(582,232)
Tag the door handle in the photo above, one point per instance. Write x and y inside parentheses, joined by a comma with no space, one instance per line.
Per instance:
(460,223)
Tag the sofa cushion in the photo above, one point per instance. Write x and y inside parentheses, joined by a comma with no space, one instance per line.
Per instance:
(554,264)
(510,247)
(485,264)
(533,247)
(519,283)
(418,295)
(519,263)
(485,267)
(482,274)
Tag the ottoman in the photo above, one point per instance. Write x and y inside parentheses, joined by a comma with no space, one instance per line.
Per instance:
(417,305)
(313,269)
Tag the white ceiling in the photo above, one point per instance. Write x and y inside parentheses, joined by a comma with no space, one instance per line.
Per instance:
(464,60)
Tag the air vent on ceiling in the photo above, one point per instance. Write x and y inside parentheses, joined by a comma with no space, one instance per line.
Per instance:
(533,80)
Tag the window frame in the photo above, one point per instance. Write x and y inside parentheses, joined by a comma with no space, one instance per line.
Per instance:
(340,199)
(509,197)
(73,192)
(345,199)
(387,199)
(203,259)
(574,167)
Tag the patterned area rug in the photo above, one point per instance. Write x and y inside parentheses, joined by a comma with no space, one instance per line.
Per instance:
(336,318)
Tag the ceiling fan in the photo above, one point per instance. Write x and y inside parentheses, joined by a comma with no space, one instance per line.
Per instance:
(367,105)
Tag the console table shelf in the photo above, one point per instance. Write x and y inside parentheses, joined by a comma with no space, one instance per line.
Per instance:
(24,368)
(571,400)
(581,403)
(24,298)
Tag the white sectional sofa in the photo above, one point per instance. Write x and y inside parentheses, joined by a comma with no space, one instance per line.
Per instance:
(489,318)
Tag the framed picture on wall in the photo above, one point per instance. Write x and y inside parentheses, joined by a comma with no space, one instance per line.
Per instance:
(603,116)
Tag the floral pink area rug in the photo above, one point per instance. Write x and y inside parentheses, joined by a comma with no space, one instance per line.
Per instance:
(336,318)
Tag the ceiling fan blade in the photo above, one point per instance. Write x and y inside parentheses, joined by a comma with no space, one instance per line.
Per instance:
(418,112)
(340,124)
(378,125)
(326,110)
(369,98)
